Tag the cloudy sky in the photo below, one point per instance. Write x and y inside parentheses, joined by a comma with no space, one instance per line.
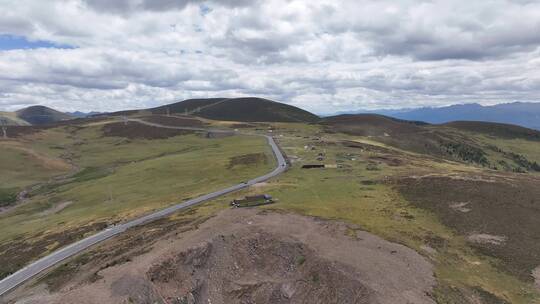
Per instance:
(321,55)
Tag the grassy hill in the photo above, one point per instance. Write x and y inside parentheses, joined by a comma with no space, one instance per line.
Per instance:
(247,109)
(493,145)
(11,119)
(372,124)
(415,137)
(496,129)
(41,115)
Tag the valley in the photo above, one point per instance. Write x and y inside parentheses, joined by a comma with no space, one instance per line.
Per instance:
(401,210)
(118,179)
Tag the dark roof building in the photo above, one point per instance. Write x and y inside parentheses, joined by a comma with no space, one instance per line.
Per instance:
(254,200)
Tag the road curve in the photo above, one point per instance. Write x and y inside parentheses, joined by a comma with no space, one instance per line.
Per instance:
(54,258)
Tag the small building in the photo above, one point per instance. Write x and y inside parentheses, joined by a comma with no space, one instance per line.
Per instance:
(218,134)
(312,166)
(320,166)
(253,200)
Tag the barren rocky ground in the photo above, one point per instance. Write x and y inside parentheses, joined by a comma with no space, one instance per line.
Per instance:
(254,256)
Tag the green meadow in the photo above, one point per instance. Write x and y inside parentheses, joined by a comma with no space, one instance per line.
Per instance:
(120,179)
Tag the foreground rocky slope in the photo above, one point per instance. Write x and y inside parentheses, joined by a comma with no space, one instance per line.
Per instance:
(248,256)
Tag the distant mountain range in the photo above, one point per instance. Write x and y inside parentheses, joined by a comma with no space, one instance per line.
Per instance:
(79,114)
(526,114)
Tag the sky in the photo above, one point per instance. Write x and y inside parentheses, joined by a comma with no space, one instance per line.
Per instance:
(322,55)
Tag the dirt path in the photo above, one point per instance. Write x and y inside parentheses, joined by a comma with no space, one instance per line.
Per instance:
(251,256)
(46,161)
(56,208)
(536,275)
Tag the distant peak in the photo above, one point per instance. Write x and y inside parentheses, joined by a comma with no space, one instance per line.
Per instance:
(40,115)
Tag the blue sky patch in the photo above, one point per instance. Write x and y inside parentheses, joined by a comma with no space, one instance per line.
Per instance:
(10,42)
(204,9)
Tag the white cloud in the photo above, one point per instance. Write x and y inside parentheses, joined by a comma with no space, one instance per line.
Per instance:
(322,55)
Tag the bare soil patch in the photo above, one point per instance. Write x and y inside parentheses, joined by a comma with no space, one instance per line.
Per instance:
(56,208)
(483,238)
(256,268)
(134,130)
(390,161)
(261,185)
(86,267)
(536,276)
(249,256)
(461,207)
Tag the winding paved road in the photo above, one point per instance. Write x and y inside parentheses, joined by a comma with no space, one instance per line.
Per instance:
(54,258)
